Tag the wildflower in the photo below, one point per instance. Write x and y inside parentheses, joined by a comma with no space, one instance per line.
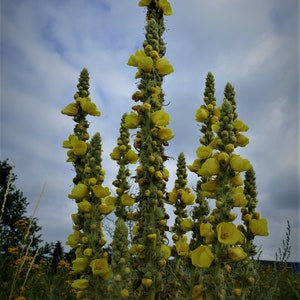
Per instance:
(163,66)
(126,199)
(203,152)
(187,198)
(73,239)
(125,293)
(237,180)
(166,7)
(202,114)
(141,60)
(182,247)
(115,155)
(227,233)
(259,227)
(195,166)
(197,292)
(236,253)
(89,107)
(205,229)
(209,186)
(147,282)
(144,2)
(239,197)
(239,125)
(100,267)
(100,192)
(166,251)
(160,118)
(210,167)
(80,284)
(131,156)
(241,140)
(84,206)
(70,110)
(165,134)
(131,121)
(237,292)
(79,191)
(202,257)
(187,224)
(79,264)
(239,164)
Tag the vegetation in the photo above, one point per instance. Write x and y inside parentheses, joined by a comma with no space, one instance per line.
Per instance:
(207,253)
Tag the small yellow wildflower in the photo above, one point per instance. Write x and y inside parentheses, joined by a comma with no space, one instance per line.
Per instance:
(227,233)
(236,253)
(79,264)
(239,164)
(201,114)
(79,191)
(131,120)
(187,224)
(259,227)
(131,156)
(80,284)
(165,134)
(160,118)
(204,152)
(126,199)
(202,257)
(210,167)
(84,206)
(182,247)
(163,66)
(70,110)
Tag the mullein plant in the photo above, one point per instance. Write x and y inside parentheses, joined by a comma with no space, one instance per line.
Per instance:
(221,169)
(151,138)
(93,199)
(124,155)
(181,197)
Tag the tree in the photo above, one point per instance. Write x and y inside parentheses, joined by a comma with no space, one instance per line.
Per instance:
(16,228)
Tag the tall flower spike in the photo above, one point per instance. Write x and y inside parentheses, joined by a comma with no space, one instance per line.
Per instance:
(150,140)
(180,197)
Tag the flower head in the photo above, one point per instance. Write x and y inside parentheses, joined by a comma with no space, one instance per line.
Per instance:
(227,233)
(160,118)
(100,268)
(210,167)
(80,284)
(202,257)
(79,191)
(163,66)
(126,199)
(70,110)
(259,227)
(236,253)
(182,247)
(79,264)
(239,164)
(131,121)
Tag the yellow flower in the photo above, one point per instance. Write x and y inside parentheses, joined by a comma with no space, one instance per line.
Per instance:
(187,198)
(70,142)
(163,66)
(201,114)
(131,120)
(127,200)
(160,118)
(239,164)
(210,167)
(115,155)
(144,2)
(107,206)
(205,229)
(239,197)
(197,292)
(84,206)
(88,252)
(259,227)
(80,284)
(223,157)
(187,224)
(73,239)
(79,148)
(79,191)
(89,107)
(166,251)
(204,152)
(237,180)
(227,233)
(166,7)
(241,140)
(70,110)
(79,264)
(209,186)
(239,125)
(100,192)
(165,134)
(195,166)
(236,253)
(100,268)
(131,156)
(125,293)
(147,282)
(182,247)
(202,257)
(141,60)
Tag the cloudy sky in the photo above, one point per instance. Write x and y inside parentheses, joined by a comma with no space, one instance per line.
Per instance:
(251,44)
